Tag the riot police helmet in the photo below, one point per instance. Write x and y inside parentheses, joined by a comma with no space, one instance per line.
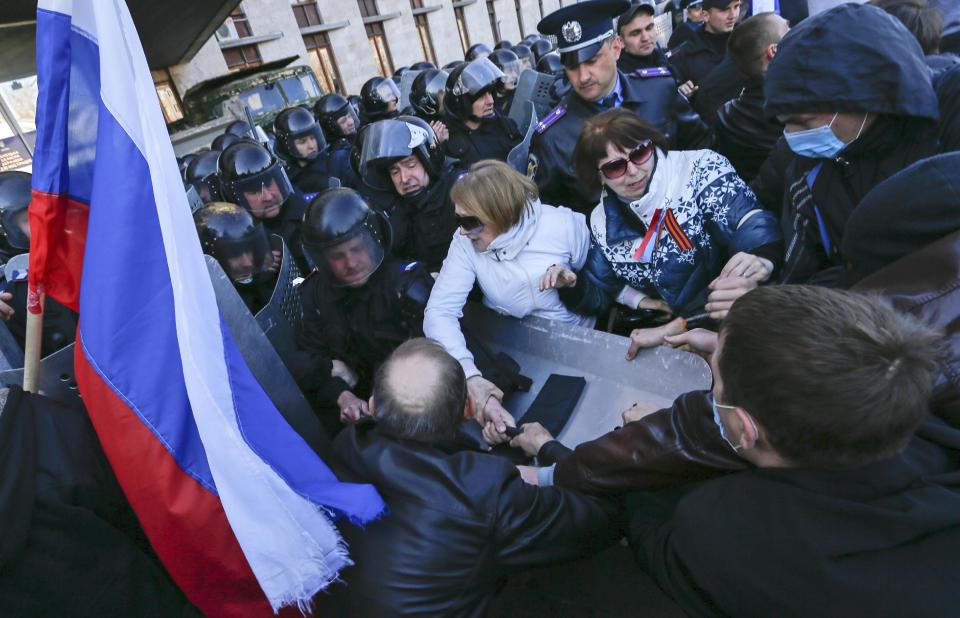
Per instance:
(551,65)
(298,134)
(469,82)
(15,195)
(379,98)
(238,242)
(240,128)
(184,162)
(221,142)
(251,177)
(478,50)
(387,141)
(509,63)
(452,65)
(422,66)
(502,44)
(530,38)
(541,48)
(202,175)
(426,93)
(525,54)
(345,238)
(337,117)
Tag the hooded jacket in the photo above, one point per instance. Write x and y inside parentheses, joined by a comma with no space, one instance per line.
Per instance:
(890,81)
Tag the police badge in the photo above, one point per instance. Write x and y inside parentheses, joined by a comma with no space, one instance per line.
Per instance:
(571,31)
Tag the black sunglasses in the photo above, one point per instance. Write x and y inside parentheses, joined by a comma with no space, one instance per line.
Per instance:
(612,170)
(468,224)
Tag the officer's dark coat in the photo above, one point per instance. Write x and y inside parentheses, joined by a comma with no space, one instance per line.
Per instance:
(493,139)
(423,224)
(628,63)
(655,99)
(700,54)
(287,226)
(340,164)
(314,176)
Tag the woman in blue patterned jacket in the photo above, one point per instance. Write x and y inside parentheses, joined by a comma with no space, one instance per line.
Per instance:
(671,227)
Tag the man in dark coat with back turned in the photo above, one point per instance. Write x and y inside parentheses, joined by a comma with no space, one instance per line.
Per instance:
(460,522)
(589,49)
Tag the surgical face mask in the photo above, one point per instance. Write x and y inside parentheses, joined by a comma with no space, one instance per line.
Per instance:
(716,419)
(819,143)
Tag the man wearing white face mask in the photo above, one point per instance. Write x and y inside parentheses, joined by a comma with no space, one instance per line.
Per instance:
(855,110)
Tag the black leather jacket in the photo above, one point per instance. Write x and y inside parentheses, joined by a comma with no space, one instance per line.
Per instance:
(745,134)
(458,524)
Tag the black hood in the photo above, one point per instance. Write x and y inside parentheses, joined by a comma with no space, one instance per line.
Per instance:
(903,214)
(852,58)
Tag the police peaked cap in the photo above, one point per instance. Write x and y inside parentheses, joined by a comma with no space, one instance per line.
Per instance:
(582,28)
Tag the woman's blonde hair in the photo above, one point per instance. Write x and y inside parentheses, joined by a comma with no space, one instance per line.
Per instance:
(495,193)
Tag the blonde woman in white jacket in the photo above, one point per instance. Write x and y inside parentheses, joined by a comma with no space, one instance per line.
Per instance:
(505,241)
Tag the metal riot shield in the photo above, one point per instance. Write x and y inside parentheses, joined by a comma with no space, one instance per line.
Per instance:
(264,362)
(534,87)
(664,26)
(542,347)
(517,157)
(280,318)
(406,85)
(57,379)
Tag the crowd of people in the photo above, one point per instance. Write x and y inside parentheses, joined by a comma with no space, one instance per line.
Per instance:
(775,192)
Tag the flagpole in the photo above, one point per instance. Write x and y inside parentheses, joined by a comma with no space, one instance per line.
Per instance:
(31,351)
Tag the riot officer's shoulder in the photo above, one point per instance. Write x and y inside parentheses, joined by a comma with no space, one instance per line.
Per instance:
(310,277)
(678,50)
(552,118)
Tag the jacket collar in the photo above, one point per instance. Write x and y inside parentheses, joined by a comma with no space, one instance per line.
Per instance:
(508,245)
(621,226)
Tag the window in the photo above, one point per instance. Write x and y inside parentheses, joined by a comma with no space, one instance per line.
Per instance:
(377,38)
(237,27)
(320,55)
(319,50)
(423,31)
(242,57)
(169,99)
(462,29)
(516,4)
(492,14)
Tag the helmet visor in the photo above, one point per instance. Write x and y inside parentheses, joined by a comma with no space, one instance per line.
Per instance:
(384,142)
(242,259)
(511,73)
(388,91)
(16,227)
(476,77)
(263,194)
(351,262)
(347,123)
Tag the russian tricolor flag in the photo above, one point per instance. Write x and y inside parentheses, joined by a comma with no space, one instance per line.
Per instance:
(234,502)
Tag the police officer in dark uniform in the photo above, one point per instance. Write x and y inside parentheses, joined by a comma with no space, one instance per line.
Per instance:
(477,130)
(354,312)
(340,123)
(638,31)
(59,322)
(379,98)
(254,179)
(201,174)
(426,93)
(301,142)
(589,49)
(402,156)
(239,243)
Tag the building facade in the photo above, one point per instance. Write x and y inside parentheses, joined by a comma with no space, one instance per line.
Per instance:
(346,42)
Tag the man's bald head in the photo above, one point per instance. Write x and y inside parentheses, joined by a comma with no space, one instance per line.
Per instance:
(749,45)
(420,393)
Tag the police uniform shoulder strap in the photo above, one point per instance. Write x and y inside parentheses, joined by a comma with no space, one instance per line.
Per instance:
(551,119)
(648,73)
